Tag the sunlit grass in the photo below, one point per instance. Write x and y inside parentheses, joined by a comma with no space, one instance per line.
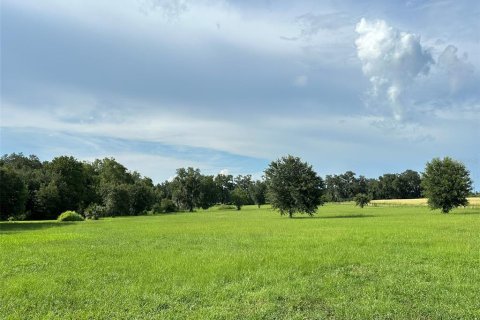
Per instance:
(472,202)
(345,263)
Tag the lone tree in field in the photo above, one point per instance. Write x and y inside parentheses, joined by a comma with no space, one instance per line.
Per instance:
(293,186)
(361,200)
(446,184)
(239,197)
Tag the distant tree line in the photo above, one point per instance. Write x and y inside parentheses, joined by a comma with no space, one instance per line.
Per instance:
(344,187)
(32,189)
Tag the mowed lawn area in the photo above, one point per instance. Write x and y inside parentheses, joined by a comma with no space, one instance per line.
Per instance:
(345,263)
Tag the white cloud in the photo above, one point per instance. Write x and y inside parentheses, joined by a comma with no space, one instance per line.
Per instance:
(191,25)
(224,172)
(459,70)
(392,60)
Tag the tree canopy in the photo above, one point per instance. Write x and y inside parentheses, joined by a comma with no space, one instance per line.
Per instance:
(32,189)
(447,184)
(293,186)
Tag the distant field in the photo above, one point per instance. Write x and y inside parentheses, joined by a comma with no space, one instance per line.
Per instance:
(472,202)
(346,263)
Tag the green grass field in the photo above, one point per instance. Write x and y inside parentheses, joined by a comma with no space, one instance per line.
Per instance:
(345,263)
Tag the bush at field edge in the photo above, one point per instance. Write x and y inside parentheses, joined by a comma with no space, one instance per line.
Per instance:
(70,216)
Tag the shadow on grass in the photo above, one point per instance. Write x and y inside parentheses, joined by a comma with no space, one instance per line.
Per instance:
(12,227)
(337,217)
(467,213)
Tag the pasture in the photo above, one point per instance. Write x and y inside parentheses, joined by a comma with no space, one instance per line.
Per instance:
(402,262)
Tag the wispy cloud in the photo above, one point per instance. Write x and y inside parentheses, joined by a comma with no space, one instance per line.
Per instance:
(224,84)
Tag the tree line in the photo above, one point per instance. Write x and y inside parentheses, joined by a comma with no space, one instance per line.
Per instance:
(32,189)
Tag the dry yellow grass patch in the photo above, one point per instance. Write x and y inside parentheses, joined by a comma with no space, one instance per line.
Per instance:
(474,202)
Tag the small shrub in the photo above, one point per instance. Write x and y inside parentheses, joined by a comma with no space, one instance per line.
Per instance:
(168,206)
(94,211)
(157,208)
(165,206)
(361,200)
(70,216)
(226,207)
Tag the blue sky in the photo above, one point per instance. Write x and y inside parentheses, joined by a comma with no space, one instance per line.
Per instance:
(370,86)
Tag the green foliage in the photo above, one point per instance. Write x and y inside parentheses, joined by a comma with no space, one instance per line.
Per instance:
(223,207)
(187,188)
(48,200)
(111,172)
(258,193)
(30,169)
(343,187)
(117,199)
(245,183)
(142,196)
(94,211)
(168,205)
(68,175)
(70,216)
(208,192)
(13,194)
(225,185)
(239,197)
(361,200)
(293,186)
(446,183)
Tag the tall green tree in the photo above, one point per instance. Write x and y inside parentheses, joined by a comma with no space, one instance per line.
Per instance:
(48,200)
(225,185)
(446,184)
(258,192)
(13,194)
(31,171)
(208,192)
(69,176)
(408,185)
(186,190)
(293,186)
(142,195)
(117,199)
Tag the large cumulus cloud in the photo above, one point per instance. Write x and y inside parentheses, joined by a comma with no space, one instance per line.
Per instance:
(392,60)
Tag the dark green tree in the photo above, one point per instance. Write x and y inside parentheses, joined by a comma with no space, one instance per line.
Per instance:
(293,186)
(239,197)
(245,183)
(225,185)
(408,185)
(208,192)
(258,192)
(118,200)
(446,183)
(69,177)
(30,169)
(142,195)
(388,186)
(186,188)
(48,200)
(13,194)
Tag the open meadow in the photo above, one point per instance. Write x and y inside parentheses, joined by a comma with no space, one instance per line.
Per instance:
(344,263)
